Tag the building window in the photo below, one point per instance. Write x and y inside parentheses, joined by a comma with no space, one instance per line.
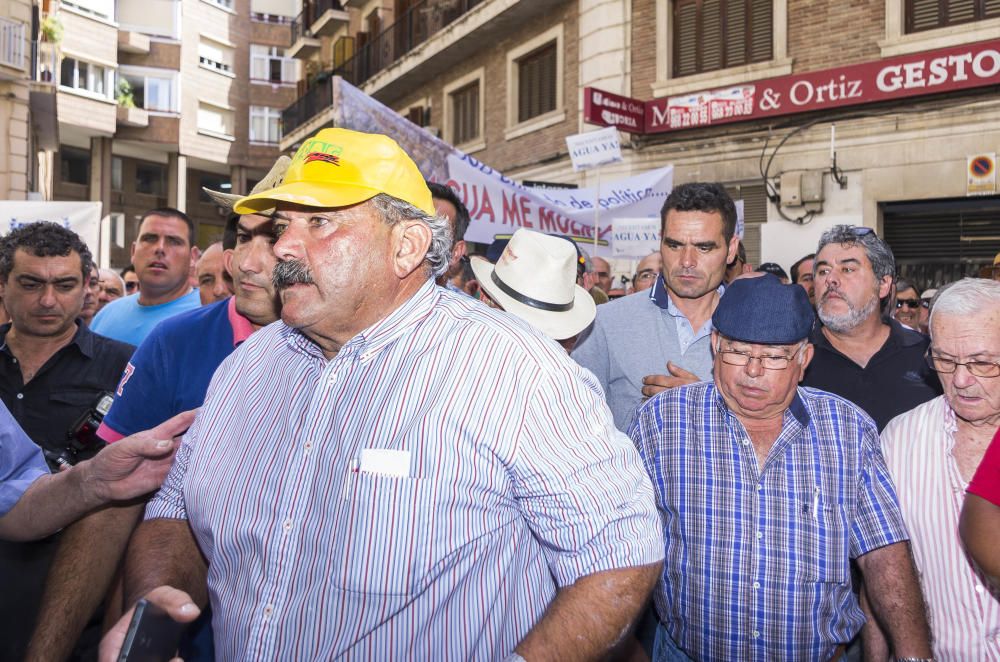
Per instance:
(465,114)
(930,14)
(215,55)
(225,4)
(158,18)
(709,35)
(215,120)
(116,173)
(536,83)
(265,125)
(213,182)
(12,43)
(101,8)
(149,178)
(267,64)
(86,76)
(74,165)
(150,90)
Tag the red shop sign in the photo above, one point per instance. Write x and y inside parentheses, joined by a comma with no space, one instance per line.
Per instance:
(930,72)
(607,109)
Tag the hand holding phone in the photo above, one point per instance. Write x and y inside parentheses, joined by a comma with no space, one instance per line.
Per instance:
(178,605)
(152,635)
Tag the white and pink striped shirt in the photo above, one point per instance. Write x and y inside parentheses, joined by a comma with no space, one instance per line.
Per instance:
(422,495)
(965,615)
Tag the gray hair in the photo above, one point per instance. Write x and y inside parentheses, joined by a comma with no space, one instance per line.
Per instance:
(393,211)
(876,250)
(965,297)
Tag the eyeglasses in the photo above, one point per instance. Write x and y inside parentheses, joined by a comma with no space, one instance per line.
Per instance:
(975,368)
(131,287)
(861,231)
(646,274)
(909,303)
(767,361)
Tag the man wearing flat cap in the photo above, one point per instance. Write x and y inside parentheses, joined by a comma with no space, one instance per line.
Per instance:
(766,491)
(348,503)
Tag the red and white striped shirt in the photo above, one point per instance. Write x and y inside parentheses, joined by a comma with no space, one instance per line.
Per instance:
(965,615)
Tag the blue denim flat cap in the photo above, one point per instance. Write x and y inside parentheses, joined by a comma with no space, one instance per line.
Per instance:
(762,310)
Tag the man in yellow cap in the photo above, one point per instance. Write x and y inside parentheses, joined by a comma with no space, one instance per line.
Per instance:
(358,491)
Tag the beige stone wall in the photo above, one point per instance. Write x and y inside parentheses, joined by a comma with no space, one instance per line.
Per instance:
(14,160)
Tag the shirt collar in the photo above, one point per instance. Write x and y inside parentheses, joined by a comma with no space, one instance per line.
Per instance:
(380,334)
(242,328)
(658,294)
(83,338)
(383,332)
(796,408)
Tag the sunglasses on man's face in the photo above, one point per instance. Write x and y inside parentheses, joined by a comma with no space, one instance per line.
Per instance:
(909,303)
(131,287)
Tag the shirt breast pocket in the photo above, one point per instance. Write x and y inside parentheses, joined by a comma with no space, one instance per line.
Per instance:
(821,542)
(383,545)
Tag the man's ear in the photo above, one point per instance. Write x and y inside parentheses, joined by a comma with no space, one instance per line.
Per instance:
(227,261)
(884,287)
(734,247)
(131,253)
(807,355)
(411,241)
(458,251)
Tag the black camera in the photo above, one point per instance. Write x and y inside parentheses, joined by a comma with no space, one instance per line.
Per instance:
(82,442)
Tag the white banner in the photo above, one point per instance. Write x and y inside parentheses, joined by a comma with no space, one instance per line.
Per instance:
(499,206)
(83,218)
(594,148)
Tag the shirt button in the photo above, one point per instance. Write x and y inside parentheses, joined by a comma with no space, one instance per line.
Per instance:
(756,634)
(756,585)
(268,609)
(760,487)
(287,525)
(20,396)
(979,588)
(308,446)
(746,442)
(760,534)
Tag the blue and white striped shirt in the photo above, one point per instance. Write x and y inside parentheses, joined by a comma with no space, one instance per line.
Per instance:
(758,558)
(517,484)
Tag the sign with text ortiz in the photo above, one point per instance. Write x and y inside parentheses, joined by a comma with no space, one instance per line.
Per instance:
(594,148)
(918,74)
(497,204)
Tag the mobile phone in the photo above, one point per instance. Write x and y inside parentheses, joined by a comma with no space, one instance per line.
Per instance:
(152,635)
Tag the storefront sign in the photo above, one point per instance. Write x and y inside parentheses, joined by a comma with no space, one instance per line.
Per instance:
(930,72)
(607,109)
(982,172)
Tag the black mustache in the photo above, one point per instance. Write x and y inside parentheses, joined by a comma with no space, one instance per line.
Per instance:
(291,272)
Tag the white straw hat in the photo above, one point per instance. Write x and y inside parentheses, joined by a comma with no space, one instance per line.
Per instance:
(535,279)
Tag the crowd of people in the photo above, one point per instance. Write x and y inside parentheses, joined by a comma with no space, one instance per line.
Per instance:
(404,452)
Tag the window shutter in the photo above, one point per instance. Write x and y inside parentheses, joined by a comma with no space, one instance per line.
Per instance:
(736,32)
(761,31)
(465,114)
(685,37)
(711,35)
(536,82)
(931,14)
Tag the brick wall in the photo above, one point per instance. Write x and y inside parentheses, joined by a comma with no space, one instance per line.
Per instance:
(824,34)
(643,48)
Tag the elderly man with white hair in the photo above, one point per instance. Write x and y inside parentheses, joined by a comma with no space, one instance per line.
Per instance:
(932,452)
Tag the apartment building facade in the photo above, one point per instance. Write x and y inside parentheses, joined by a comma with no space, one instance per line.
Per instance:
(158,98)
(507,81)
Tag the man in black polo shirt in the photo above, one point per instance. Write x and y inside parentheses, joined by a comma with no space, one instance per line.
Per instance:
(53,370)
(876,364)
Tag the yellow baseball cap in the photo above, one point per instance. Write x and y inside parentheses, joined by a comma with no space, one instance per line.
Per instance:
(996,260)
(338,168)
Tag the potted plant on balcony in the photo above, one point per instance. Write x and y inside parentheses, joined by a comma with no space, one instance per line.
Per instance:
(124,95)
(52,29)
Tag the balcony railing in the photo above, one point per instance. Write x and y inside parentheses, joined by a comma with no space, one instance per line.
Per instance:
(412,28)
(316,99)
(311,10)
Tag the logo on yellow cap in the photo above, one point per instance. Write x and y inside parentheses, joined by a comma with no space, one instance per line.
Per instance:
(325,158)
